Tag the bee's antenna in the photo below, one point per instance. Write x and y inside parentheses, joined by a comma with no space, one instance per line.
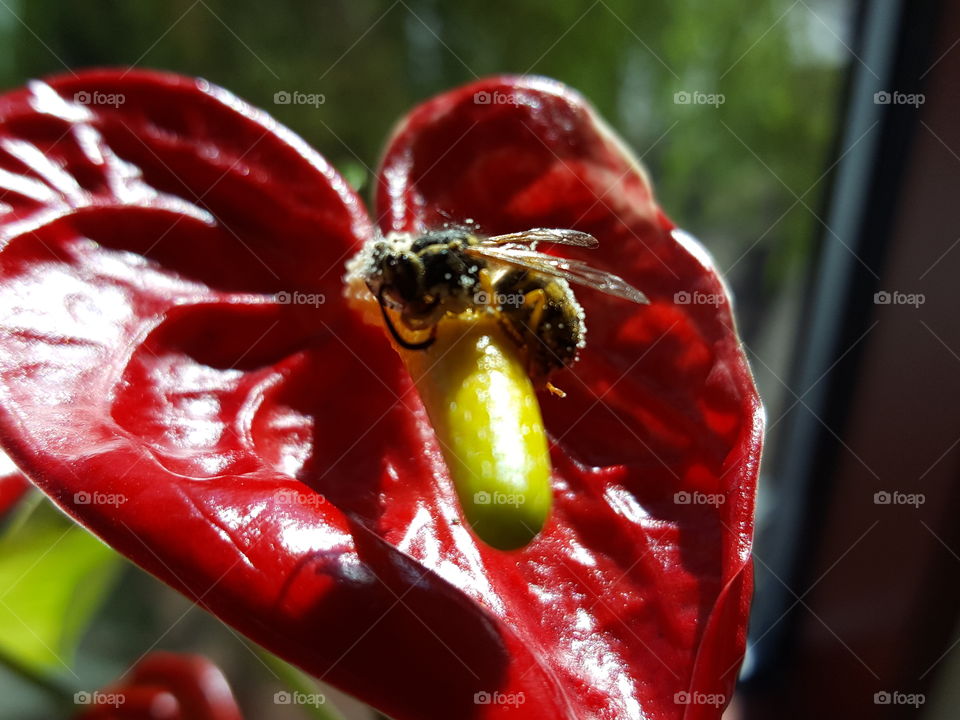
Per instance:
(468,224)
(450,222)
(423,345)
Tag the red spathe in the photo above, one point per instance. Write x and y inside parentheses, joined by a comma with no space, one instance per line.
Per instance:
(173,332)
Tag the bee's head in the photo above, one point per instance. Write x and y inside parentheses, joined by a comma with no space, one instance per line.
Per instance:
(395,273)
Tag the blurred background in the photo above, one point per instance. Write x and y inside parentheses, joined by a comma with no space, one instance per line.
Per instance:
(812,145)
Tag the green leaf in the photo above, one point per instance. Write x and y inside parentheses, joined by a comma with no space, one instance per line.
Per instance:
(53,577)
(355,173)
(302,686)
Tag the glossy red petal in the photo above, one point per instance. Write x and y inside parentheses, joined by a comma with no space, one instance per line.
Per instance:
(271,458)
(635,598)
(173,341)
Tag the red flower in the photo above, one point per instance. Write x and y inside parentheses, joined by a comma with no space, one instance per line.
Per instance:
(13,485)
(165,686)
(273,458)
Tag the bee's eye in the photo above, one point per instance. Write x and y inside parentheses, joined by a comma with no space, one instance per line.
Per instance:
(401,273)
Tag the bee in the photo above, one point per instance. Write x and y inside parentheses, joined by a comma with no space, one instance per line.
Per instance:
(454,270)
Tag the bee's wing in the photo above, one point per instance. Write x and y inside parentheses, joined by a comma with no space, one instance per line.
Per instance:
(557,236)
(573,271)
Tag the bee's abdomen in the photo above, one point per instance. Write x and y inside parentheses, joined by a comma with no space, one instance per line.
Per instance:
(545,319)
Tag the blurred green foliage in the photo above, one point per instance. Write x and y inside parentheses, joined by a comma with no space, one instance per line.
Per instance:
(776,63)
(54,576)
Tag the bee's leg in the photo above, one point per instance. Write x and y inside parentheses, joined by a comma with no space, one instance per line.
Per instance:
(507,321)
(512,327)
(487,287)
(554,390)
(537,300)
(422,345)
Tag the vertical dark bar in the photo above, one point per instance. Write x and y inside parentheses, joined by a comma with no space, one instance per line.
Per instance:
(889,52)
